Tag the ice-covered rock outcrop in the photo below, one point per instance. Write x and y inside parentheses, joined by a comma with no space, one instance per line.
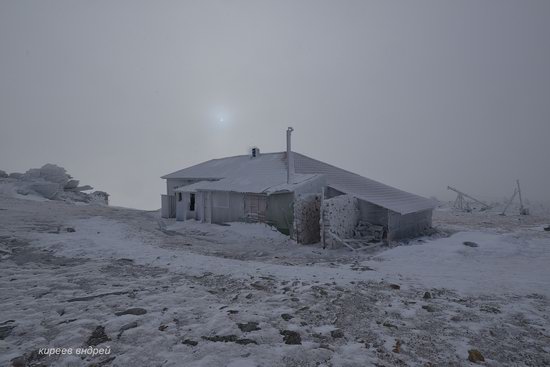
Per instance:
(54,183)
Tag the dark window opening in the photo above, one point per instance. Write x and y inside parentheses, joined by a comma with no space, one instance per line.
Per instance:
(179,196)
(192,202)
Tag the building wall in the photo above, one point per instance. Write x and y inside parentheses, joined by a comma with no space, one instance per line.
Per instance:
(373,213)
(340,216)
(227,207)
(173,183)
(183,211)
(307,227)
(280,212)
(200,204)
(408,225)
(168,206)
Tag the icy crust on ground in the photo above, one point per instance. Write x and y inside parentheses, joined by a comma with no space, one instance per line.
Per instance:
(50,182)
(190,294)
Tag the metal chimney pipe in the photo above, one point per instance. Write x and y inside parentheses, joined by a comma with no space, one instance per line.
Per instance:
(289,157)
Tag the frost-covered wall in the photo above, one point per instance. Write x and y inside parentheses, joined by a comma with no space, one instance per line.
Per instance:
(341,214)
(279,212)
(227,207)
(408,225)
(173,183)
(372,213)
(306,218)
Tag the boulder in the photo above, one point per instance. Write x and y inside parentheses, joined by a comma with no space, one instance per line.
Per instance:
(291,337)
(100,197)
(98,336)
(475,356)
(48,172)
(132,311)
(3,174)
(81,188)
(15,175)
(71,184)
(248,327)
(49,190)
(336,334)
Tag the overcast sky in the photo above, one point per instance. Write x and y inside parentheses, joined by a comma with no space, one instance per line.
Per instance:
(415,94)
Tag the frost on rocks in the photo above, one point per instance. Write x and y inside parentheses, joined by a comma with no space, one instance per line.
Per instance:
(50,182)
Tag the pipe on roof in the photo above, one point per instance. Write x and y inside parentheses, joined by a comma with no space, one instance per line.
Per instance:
(289,157)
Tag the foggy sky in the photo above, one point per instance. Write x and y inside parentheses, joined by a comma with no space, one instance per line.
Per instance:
(415,94)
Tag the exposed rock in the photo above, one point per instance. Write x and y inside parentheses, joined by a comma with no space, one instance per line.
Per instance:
(475,356)
(70,229)
(428,308)
(490,309)
(132,311)
(3,174)
(71,184)
(337,333)
(190,342)
(129,326)
(248,327)
(291,337)
(15,175)
(395,286)
(82,188)
(287,317)
(28,359)
(229,339)
(49,190)
(48,172)
(98,336)
(427,295)
(19,361)
(259,286)
(52,182)
(397,346)
(221,338)
(103,197)
(470,244)
(5,331)
(547,229)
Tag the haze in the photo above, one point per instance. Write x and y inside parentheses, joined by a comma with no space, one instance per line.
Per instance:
(418,95)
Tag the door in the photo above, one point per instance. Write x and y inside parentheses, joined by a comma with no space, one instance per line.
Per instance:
(255,207)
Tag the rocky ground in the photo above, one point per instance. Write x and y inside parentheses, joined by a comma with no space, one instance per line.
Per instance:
(159,293)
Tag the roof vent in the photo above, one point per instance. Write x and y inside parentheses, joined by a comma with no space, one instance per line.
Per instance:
(255,152)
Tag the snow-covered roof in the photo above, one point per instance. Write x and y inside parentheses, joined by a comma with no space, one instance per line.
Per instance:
(269,169)
(261,184)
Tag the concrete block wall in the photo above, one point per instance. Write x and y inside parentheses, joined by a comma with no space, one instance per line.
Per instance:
(307,218)
(341,215)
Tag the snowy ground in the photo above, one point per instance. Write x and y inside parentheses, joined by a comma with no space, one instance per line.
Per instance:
(211,295)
